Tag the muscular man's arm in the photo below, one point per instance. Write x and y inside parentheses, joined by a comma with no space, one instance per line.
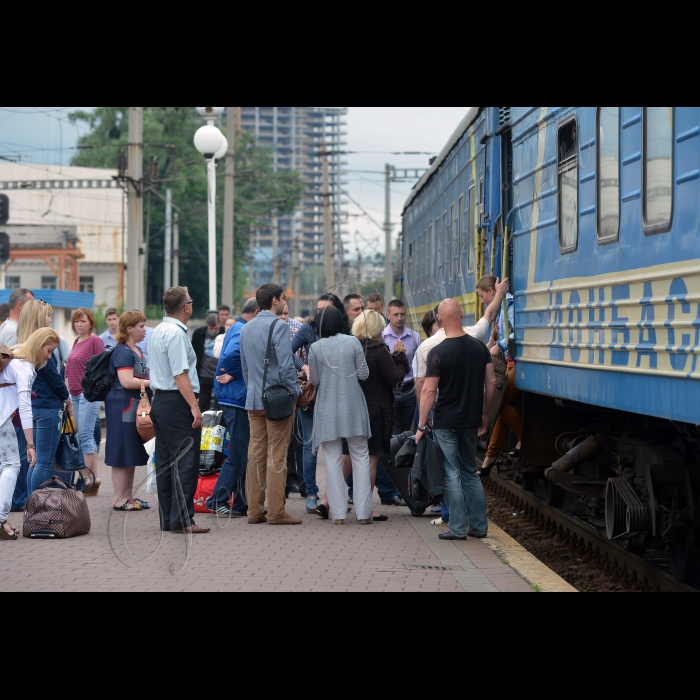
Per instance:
(489,393)
(427,401)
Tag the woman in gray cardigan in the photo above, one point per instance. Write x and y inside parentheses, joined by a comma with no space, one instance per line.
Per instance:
(336,367)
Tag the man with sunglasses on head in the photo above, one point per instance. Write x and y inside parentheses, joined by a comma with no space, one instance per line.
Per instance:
(175,413)
(8,330)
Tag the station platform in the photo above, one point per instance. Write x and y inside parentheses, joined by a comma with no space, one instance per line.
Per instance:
(129,553)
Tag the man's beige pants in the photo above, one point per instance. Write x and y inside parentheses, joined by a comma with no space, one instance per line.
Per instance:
(267,465)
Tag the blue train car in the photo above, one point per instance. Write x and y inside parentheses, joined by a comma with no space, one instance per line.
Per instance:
(604,258)
(453,220)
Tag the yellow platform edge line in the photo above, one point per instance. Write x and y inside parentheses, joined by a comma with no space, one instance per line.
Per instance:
(523,563)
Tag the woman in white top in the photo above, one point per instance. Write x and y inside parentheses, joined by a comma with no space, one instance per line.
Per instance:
(17,372)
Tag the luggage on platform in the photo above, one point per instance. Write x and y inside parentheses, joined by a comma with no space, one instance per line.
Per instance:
(401,478)
(211,455)
(205,490)
(56,511)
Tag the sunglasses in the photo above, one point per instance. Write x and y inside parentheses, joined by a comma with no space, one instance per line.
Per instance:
(187,302)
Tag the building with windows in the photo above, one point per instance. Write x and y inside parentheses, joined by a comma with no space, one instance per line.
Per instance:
(66,229)
(295,136)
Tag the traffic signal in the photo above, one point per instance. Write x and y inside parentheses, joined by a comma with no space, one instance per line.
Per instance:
(4,209)
(4,248)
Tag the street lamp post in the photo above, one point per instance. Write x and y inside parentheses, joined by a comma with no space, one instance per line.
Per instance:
(212,144)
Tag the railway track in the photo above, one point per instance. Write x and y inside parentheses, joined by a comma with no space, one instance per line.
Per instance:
(635,571)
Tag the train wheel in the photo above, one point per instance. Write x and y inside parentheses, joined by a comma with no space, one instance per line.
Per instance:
(530,482)
(554,496)
(684,556)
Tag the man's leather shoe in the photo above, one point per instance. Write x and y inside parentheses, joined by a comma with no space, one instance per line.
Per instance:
(450,536)
(395,501)
(287,520)
(192,530)
(257,521)
(470,533)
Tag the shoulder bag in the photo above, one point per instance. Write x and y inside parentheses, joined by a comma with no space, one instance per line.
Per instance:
(144,424)
(277,400)
(308,395)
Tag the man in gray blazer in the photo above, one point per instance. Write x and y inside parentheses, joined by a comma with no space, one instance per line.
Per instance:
(267,451)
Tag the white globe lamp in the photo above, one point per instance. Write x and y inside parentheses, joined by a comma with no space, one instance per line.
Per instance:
(208,141)
(210,112)
(222,151)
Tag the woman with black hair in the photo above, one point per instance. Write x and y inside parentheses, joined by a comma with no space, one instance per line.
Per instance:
(336,368)
(305,338)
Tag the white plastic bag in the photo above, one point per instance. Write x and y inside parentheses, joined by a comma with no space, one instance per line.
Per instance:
(150,448)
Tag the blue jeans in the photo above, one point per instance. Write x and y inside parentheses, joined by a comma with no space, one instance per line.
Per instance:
(445,513)
(98,429)
(232,476)
(307,430)
(47,433)
(19,497)
(85,415)
(463,490)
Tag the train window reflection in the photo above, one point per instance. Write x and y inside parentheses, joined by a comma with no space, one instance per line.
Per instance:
(568,186)
(658,168)
(452,247)
(608,174)
(445,239)
(436,252)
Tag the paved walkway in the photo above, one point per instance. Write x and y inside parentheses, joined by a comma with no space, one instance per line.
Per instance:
(128,553)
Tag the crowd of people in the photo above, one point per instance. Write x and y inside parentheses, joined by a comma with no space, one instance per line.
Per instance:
(373,379)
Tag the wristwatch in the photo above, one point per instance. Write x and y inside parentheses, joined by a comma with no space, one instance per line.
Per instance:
(423,429)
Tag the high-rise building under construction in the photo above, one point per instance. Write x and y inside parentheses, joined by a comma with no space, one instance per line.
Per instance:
(295,136)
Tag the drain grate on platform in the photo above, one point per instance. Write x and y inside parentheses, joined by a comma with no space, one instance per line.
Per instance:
(428,567)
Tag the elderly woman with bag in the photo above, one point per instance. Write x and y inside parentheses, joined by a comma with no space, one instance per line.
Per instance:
(336,368)
(125,450)
(16,378)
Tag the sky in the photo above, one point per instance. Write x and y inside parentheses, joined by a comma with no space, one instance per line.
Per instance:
(44,135)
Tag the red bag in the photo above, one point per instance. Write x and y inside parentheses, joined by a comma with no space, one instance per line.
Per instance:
(205,490)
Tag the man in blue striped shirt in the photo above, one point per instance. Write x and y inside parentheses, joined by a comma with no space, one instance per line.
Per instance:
(175,413)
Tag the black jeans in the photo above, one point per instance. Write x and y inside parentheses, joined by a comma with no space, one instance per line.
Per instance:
(295,458)
(172,420)
(206,387)
(404,407)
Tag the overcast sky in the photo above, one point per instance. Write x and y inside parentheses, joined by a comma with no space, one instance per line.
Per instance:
(43,135)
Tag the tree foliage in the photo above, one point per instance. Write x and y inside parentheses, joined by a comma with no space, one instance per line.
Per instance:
(168,134)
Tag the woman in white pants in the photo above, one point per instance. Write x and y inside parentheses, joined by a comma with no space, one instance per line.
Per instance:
(17,372)
(336,367)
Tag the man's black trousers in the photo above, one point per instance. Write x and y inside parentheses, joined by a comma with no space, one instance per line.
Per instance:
(172,420)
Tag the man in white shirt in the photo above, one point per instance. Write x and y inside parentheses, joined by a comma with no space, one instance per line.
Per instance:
(8,330)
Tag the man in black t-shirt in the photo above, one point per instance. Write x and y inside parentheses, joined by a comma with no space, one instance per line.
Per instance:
(461,370)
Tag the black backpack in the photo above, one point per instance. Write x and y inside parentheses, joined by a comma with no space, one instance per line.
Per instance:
(98,381)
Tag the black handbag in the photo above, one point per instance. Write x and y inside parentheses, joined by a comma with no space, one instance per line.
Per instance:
(68,453)
(277,400)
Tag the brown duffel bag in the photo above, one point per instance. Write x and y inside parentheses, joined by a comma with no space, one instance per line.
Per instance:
(56,511)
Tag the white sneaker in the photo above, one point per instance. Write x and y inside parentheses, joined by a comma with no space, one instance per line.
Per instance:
(438,522)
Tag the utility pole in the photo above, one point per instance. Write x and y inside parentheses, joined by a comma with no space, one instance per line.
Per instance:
(134,273)
(228,249)
(388,271)
(328,221)
(167,270)
(275,240)
(407,175)
(176,250)
(251,262)
(359,264)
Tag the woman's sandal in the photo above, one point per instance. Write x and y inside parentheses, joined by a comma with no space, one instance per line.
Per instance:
(322,511)
(144,504)
(485,472)
(129,507)
(380,518)
(5,535)
(93,490)
(514,453)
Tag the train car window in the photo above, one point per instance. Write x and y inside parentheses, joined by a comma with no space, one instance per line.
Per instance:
(658,169)
(567,157)
(445,246)
(472,221)
(608,174)
(481,199)
(453,247)
(436,249)
(460,234)
(419,266)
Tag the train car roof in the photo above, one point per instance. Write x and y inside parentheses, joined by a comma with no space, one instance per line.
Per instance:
(468,120)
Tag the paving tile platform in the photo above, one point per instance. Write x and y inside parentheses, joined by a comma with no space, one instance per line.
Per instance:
(128,553)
